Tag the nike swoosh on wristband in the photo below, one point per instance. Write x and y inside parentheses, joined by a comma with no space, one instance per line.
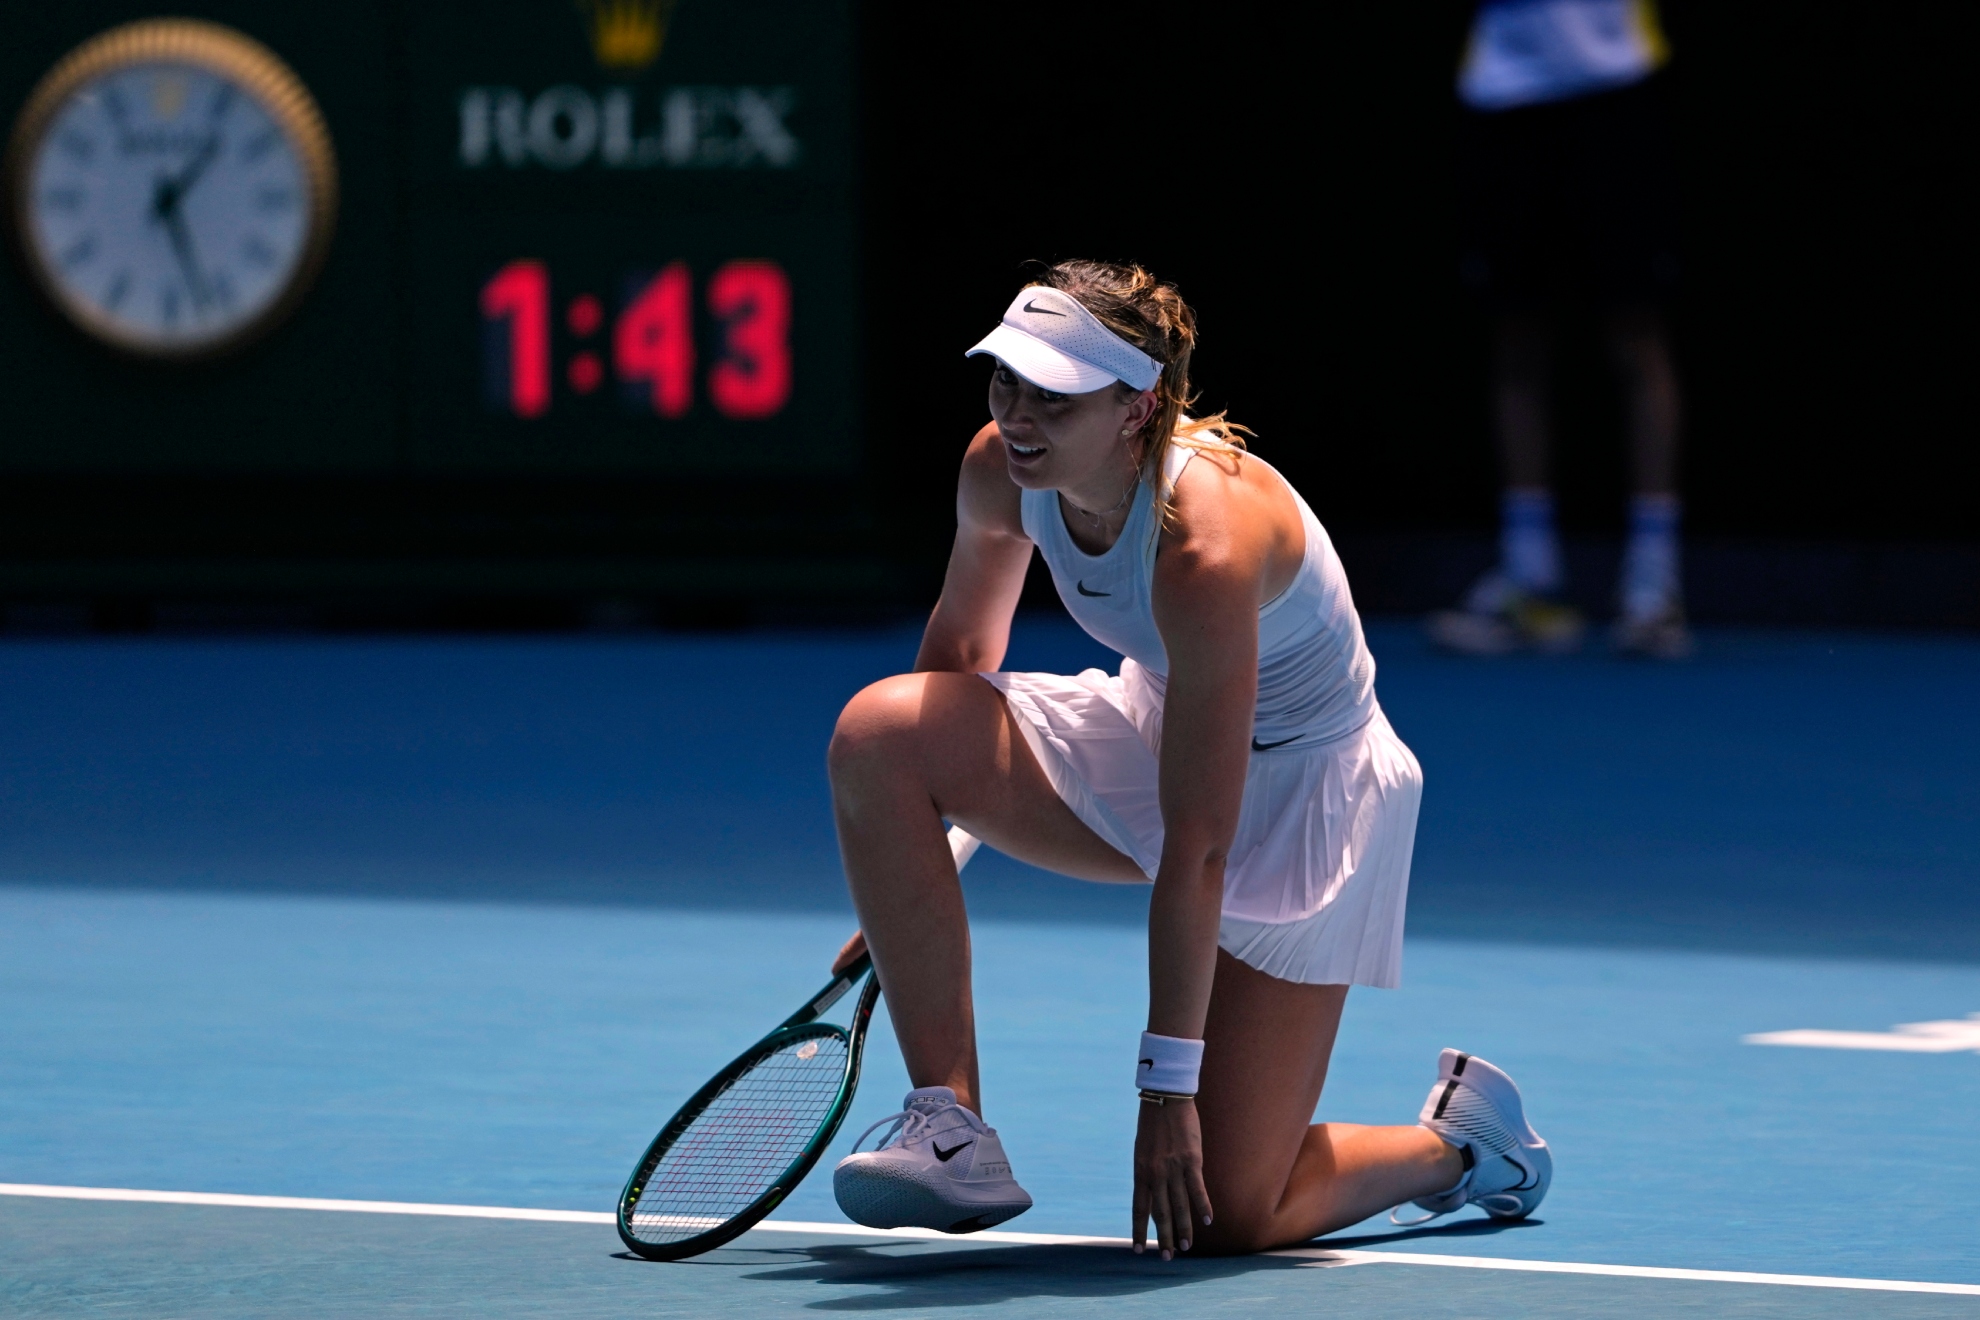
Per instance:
(946,1155)
(1257,746)
(1042,311)
(1081,585)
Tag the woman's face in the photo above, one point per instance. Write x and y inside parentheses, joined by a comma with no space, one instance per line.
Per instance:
(1064,441)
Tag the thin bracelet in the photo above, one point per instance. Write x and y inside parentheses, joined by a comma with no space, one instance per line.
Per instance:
(1163,1097)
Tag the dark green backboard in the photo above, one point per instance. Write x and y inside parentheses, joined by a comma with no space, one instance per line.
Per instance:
(620,267)
(583,246)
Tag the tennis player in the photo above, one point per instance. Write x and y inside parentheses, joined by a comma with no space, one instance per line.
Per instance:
(1239,760)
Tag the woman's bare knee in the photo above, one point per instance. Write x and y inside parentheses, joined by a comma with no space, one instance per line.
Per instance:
(1235,1231)
(874,725)
(913,727)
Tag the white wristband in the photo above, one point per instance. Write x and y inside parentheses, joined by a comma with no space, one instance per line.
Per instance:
(1168,1064)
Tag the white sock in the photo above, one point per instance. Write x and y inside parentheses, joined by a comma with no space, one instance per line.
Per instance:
(1529,549)
(1650,561)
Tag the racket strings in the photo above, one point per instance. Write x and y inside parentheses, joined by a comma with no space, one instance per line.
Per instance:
(738,1146)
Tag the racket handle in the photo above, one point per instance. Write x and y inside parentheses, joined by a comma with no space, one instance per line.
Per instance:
(963,844)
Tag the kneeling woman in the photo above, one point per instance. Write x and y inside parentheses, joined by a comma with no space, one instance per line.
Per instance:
(1240,760)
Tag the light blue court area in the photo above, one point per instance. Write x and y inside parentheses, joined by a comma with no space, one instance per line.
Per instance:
(462,922)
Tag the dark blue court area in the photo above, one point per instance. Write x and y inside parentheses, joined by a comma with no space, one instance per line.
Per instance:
(460,922)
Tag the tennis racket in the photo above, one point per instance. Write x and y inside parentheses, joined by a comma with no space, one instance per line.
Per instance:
(741,1143)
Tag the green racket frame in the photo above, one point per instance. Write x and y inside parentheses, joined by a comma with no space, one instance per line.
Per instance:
(801,1025)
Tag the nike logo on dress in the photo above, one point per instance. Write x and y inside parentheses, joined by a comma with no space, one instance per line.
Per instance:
(1257,746)
(1081,585)
(1042,311)
(946,1155)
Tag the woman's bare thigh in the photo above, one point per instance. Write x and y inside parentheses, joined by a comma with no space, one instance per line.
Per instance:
(953,739)
(1265,1053)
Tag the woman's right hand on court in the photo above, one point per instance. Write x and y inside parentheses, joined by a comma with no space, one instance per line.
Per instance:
(850,954)
(1168,1176)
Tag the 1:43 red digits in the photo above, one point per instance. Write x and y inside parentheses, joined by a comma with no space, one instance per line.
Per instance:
(650,342)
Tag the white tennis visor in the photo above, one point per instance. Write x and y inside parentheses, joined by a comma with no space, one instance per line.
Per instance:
(1048,338)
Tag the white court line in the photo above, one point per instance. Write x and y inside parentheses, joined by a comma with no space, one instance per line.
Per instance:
(303,1203)
(1946,1036)
(1319,1256)
(1630,1271)
(935,1235)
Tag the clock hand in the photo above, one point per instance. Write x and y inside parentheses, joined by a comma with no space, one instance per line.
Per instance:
(171,189)
(182,248)
(187,177)
(167,196)
(166,201)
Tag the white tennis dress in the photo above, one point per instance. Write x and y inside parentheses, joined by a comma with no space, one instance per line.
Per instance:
(1318,874)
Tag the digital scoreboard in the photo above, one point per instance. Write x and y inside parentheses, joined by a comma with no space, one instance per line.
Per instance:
(631,237)
(441,295)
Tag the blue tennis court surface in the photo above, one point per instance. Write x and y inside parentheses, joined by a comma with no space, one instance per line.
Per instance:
(462,921)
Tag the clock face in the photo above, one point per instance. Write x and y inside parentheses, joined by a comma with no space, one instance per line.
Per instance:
(169,206)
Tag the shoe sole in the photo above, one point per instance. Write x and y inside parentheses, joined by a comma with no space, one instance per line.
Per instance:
(888,1195)
(1683,650)
(1556,643)
(1455,631)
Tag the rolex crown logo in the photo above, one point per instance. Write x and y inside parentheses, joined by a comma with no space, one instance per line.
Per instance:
(627,34)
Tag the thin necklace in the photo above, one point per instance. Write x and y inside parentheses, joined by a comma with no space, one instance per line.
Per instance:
(1102,517)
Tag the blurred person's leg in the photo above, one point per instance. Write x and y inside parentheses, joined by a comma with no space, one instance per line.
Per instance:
(1512,207)
(1651,592)
(1630,193)
(1653,407)
(1522,378)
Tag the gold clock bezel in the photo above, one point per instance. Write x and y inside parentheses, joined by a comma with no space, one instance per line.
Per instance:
(219,50)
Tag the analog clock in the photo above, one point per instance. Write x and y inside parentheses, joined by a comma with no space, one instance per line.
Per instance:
(172,188)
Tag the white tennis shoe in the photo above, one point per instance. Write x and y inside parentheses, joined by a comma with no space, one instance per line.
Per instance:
(939,1167)
(1507,1167)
